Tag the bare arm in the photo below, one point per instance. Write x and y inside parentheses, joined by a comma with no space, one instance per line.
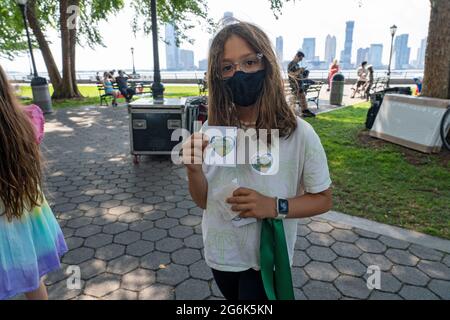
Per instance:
(198,188)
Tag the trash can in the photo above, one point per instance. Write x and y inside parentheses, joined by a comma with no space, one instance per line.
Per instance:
(337,89)
(41,94)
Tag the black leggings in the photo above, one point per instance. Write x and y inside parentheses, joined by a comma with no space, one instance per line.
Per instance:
(246,285)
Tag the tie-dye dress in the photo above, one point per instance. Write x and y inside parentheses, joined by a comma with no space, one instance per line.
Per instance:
(30,247)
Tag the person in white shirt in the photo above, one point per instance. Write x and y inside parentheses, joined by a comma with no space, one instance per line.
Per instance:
(362,73)
(246,91)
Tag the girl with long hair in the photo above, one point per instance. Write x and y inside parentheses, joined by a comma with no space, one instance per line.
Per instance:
(31,241)
(252,260)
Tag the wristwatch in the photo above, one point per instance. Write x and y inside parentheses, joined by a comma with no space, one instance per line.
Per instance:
(282,208)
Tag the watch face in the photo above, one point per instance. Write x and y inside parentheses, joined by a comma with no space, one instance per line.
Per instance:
(283,206)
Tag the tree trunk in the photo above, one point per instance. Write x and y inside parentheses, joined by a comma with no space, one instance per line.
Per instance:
(437,61)
(67,83)
(73,45)
(52,68)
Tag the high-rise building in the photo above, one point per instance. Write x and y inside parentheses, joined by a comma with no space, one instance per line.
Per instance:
(187,59)
(203,64)
(362,55)
(376,55)
(330,48)
(420,64)
(346,54)
(402,52)
(228,17)
(279,48)
(309,48)
(172,50)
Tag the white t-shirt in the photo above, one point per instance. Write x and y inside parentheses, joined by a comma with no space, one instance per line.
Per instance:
(302,167)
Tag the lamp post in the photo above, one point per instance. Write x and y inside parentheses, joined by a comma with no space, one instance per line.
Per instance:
(157,86)
(39,85)
(132,56)
(393,31)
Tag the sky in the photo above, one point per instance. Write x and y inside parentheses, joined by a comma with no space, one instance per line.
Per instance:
(300,19)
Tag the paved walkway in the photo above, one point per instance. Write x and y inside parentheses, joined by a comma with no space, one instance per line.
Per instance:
(135,232)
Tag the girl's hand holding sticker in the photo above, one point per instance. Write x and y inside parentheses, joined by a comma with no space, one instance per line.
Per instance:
(193,151)
(252,204)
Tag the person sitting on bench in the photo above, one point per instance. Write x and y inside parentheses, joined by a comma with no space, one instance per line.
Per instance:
(362,78)
(297,76)
(370,81)
(109,88)
(125,90)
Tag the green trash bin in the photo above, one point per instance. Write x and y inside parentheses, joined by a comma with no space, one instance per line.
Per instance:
(337,89)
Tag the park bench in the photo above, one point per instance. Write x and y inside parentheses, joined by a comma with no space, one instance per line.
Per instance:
(140,87)
(379,84)
(312,92)
(103,95)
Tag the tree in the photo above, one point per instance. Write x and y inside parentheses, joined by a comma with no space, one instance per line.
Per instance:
(437,61)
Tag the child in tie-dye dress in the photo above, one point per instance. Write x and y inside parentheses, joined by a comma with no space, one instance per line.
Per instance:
(31,241)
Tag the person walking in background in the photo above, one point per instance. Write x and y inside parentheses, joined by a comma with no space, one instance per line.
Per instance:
(362,78)
(370,81)
(125,90)
(31,241)
(109,88)
(334,68)
(296,76)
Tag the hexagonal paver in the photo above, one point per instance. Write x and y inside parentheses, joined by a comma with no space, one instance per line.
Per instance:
(426,253)
(110,204)
(383,296)
(317,290)
(195,241)
(115,228)
(177,213)
(166,223)
(130,217)
(370,245)
(192,289)
(320,239)
(169,244)
(435,270)
(446,260)
(379,260)
(141,225)
(164,206)
(154,234)
(98,240)
(321,254)
(140,248)
(301,259)
(321,227)
(88,231)
(441,288)
(102,285)
(138,279)
(351,267)
(365,233)
(92,268)
(410,275)
(153,200)
(344,235)
(121,294)
(417,293)
(172,274)
(321,271)
(74,242)
(127,237)
(157,292)
(181,232)
(122,265)
(191,220)
(77,256)
(200,270)
(394,243)
(186,256)
(79,222)
(302,243)
(110,252)
(186,204)
(352,287)
(347,250)
(402,257)
(299,277)
(303,230)
(104,220)
(155,260)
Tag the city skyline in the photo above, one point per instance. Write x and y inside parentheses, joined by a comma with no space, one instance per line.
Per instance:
(372,22)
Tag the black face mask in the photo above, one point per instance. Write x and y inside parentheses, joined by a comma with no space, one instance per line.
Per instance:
(246,88)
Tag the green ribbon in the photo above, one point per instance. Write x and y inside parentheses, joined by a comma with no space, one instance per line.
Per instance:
(275,267)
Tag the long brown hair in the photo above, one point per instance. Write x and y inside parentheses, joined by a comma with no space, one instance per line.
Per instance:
(273,109)
(20,160)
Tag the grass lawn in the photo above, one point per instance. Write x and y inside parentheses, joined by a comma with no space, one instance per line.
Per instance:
(91,96)
(381,181)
